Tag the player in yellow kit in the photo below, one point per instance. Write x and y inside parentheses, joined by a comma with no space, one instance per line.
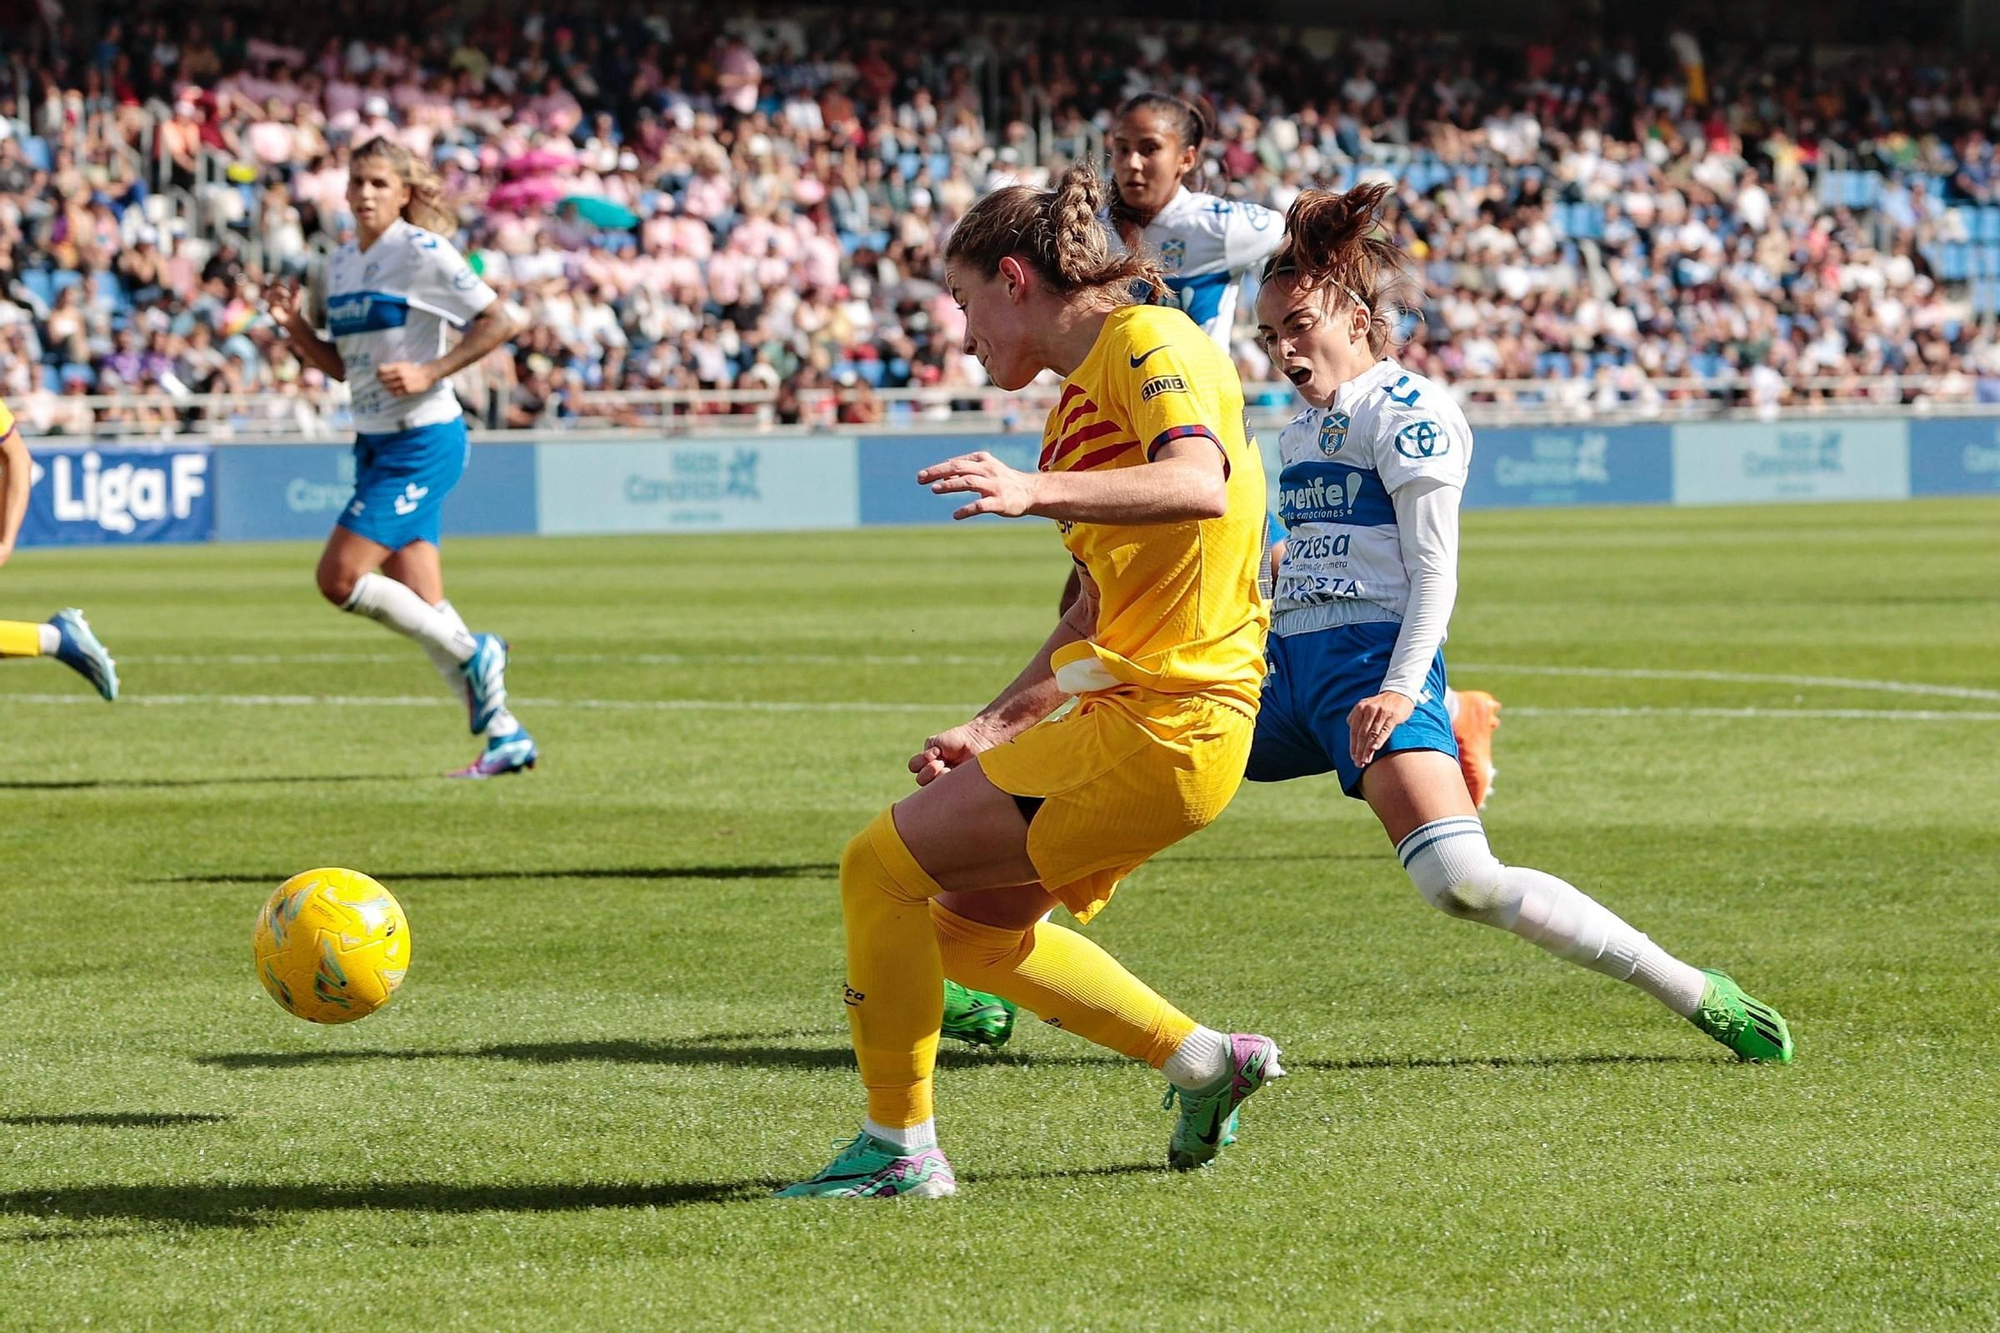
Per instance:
(1159,493)
(66,635)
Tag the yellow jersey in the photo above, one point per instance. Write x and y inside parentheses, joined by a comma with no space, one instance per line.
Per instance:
(6,419)
(1179,606)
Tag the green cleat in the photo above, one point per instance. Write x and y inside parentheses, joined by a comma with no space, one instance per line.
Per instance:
(1746,1025)
(871,1168)
(1207,1122)
(975,1017)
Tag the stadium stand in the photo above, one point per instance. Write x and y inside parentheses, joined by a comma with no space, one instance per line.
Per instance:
(744,219)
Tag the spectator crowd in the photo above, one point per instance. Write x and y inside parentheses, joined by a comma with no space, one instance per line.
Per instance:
(684,202)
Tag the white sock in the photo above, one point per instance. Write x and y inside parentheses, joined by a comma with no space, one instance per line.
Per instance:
(1199,1062)
(1456,871)
(49,638)
(382,599)
(448,665)
(912,1138)
(1451,703)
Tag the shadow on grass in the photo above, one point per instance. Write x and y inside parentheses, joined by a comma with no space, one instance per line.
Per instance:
(244,1205)
(82,784)
(735,1051)
(1072,1173)
(236,1204)
(1394,1062)
(392,877)
(119,1119)
(1287,858)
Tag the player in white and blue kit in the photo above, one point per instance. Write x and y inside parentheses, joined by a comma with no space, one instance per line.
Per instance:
(1207,245)
(387,297)
(1372,472)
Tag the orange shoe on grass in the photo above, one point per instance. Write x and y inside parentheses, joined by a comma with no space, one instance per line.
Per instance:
(1478,717)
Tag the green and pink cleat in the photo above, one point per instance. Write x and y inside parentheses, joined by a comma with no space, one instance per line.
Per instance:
(1207,1122)
(872,1168)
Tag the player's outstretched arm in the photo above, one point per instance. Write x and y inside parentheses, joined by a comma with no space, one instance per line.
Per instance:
(1187,480)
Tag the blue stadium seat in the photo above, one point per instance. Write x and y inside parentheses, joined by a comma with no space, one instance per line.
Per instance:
(35,151)
(63,279)
(78,370)
(1989,223)
(38,282)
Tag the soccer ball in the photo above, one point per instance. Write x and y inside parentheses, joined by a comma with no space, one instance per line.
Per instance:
(331,945)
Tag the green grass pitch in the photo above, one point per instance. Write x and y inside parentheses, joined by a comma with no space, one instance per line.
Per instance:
(1769,737)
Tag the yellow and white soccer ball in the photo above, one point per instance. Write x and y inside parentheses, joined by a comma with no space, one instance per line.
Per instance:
(331,945)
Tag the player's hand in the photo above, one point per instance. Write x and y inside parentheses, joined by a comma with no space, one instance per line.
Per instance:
(404,378)
(1371,721)
(948,749)
(281,302)
(1001,489)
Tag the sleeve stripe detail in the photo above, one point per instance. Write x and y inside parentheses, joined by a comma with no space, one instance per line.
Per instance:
(1172,433)
(1096,430)
(1104,455)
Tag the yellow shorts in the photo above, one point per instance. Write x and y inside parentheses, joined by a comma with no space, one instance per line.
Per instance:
(1124,774)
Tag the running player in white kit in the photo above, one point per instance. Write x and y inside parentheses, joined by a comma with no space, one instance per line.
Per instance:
(387,297)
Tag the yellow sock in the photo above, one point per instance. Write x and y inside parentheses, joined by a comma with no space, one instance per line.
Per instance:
(1066,980)
(20,638)
(895,979)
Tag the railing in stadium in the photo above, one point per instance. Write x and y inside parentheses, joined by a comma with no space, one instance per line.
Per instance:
(652,413)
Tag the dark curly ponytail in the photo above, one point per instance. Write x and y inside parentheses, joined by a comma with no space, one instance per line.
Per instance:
(1330,242)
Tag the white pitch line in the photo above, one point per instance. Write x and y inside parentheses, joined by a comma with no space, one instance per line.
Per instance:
(1733,678)
(1804,714)
(441,701)
(874,706)
(583,659)
(960,659)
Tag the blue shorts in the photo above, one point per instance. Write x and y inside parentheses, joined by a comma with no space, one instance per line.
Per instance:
(400,481)
(1315,680)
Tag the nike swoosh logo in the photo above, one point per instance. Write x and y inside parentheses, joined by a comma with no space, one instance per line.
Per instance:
(1138,361)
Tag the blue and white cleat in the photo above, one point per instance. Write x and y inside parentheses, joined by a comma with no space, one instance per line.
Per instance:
(512,753)
(486,680)
(82,653)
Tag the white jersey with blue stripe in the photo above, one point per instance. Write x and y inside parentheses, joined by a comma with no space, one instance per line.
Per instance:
(1205,246)
(1341,464)
(391,303)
